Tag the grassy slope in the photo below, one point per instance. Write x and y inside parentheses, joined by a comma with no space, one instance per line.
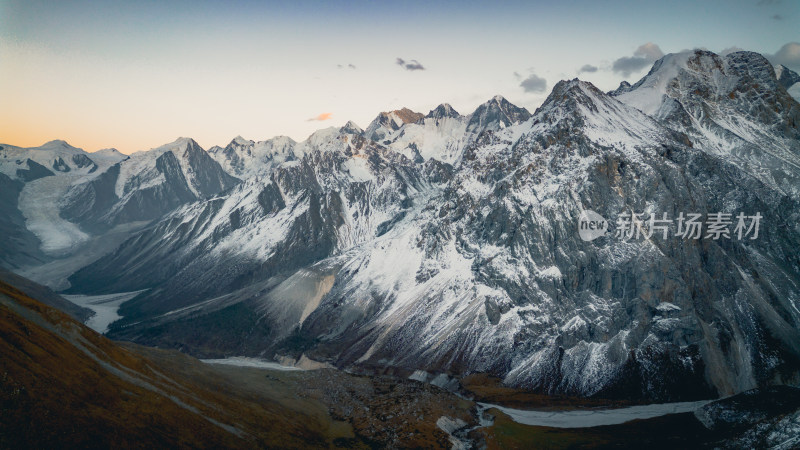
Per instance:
(63,385)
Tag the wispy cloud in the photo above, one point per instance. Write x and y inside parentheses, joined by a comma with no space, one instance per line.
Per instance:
(409,65)
(788,55)
(533,83)
(342,66)
(588,68)
(321,117)
(645,55)
(730,50)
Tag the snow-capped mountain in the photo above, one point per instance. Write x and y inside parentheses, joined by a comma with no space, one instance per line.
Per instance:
(34,181)
(496,114)
(449,243)
(443,133)
(387,122)
(789,79)
(54,157)
(145,186)
(440,135)
(786,77)
(243,158)
(732,106)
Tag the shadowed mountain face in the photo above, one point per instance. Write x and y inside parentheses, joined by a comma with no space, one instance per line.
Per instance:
(19,246)
(451,244)
(146,186)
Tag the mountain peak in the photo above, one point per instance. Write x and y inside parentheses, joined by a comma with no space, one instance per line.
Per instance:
(109,152)
(351,128)
(239,140)
(390,121)
(56,143)
(786,77)
(569,93)
(182,142)
(442,111)
(406,115)
(282,140)
(496,113)
(623,87)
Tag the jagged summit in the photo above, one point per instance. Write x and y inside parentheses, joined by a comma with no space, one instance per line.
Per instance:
(405,115)
(181,143)
(583,109)
(566,92)
(442,111)
(239,140)
(495,114)
(789,79)
(731,105)
(387,122)
(624,86)
(351,128)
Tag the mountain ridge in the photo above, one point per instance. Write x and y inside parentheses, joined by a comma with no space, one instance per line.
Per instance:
(448,243)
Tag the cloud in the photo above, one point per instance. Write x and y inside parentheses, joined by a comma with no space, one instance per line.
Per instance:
(777,17)
(351,66)
(627,65)
(644,56)
(409,65)
(534,83)
(649,51)
(730,50)
(588,68)
(342,66)
(788,55)
(321,117)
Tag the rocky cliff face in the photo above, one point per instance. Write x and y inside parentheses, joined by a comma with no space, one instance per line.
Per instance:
(451,243)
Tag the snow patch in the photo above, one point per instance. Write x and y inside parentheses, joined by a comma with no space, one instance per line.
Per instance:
(243,361)
(105,308)
(595,417)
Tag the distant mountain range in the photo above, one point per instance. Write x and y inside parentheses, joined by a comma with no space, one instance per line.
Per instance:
(449,243)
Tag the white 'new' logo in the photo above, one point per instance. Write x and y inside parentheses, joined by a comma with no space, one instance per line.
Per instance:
(591,225)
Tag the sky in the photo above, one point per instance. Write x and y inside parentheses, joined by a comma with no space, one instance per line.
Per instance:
(135,75)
